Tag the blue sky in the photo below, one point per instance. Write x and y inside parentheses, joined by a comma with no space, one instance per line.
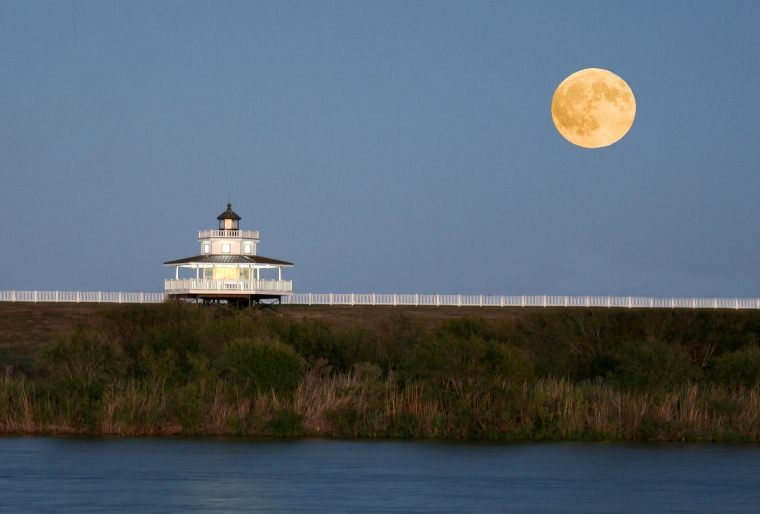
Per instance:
(388,147)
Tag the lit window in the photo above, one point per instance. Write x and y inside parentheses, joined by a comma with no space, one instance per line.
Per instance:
(206,248)
(226,248)
(225,274)
(227,224)
(247,248)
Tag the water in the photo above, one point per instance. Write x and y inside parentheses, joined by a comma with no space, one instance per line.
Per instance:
(40,474)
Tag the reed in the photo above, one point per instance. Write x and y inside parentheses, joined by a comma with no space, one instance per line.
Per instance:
(344,405)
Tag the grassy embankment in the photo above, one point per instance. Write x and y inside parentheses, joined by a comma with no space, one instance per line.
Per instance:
(449,373)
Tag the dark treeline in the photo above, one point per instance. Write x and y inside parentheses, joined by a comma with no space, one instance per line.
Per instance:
(548,374)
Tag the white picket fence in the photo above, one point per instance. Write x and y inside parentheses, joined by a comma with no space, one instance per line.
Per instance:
(80,297)
(411,300)
(522,301)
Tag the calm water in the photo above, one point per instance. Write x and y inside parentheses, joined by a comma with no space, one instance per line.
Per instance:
(223,475)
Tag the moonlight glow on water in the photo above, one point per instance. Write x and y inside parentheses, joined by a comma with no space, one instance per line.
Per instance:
(40,474)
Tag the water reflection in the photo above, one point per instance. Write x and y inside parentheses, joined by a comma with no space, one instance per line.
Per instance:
(232,475)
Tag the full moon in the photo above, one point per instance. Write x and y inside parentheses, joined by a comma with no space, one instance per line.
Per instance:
(593,108)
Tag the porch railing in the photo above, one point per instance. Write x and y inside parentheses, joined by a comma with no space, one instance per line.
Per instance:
(191,284)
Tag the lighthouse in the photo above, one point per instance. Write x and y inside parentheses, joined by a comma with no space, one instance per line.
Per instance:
(229,269)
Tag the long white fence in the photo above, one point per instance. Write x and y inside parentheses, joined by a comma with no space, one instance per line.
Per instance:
(523,301)
(80,297)
(411,300)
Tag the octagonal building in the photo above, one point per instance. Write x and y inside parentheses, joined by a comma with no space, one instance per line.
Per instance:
(229,269)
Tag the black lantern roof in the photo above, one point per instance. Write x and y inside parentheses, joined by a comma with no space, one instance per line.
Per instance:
(229,214)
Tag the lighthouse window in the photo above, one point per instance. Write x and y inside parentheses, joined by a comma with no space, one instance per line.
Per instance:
(206,248)
(226,248)
(247,248)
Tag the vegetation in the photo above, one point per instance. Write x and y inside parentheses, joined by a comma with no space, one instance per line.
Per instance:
(559,374)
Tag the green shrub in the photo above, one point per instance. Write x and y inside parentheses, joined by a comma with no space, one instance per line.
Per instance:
(447,358)
(315,340)
(203,371)
(82,363)
(739,368)
(553,342)
(263,365)
(214,334)
(341,347)
(652,365)
(161,366)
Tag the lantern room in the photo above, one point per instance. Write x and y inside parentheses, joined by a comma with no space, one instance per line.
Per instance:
(228,220)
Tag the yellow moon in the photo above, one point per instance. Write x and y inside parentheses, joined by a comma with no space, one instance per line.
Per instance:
(593,108)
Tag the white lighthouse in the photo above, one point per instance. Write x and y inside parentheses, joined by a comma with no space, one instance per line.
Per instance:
(229,268)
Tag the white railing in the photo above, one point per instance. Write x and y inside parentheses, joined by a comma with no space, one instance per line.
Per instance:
(382,299)
(191,285)
(245,234)
(80,297)
(522,301)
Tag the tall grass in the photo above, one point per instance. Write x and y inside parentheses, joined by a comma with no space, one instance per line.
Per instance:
(346,406)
